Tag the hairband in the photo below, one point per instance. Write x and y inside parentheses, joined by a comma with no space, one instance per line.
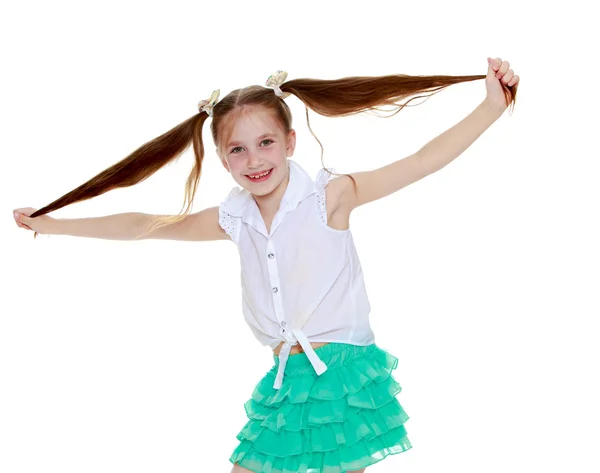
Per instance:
(274,82)
(208,105)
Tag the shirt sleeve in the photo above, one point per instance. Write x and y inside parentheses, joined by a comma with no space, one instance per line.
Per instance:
(230,223)
(323,178)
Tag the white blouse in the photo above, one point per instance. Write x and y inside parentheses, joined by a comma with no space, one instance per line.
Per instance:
(303,282)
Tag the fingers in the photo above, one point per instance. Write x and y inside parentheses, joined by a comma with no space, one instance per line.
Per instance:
(27,211)
(19,221)
(503,72)
(21,217)
(502,69)
(22,225)
(507,77)
(496,63)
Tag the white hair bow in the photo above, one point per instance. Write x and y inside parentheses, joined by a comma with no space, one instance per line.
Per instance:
(208,105)
(275,80)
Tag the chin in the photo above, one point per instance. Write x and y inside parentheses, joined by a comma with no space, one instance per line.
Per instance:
(265,190)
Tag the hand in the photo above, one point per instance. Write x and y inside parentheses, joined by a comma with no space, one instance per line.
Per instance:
(38,224)
(498,77)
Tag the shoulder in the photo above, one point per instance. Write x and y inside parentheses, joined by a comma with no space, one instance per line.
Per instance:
(230,212)
(334,189)
(336,186)
(235,202)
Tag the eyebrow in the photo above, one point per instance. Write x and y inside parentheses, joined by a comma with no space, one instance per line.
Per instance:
(260,138)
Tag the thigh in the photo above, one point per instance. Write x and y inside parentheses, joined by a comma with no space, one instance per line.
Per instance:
(239,469)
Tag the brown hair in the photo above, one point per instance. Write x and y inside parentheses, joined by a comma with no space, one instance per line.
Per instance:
(331,98)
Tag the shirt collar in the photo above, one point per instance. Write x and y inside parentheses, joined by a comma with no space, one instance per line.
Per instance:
(300,186)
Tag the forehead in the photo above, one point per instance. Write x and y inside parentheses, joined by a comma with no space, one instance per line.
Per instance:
(249,123)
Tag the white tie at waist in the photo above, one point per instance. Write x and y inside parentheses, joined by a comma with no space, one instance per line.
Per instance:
(291,339)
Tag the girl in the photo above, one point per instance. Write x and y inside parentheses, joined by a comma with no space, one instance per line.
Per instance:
(328,404)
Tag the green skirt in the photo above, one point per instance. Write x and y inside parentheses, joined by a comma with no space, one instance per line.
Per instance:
(343,420)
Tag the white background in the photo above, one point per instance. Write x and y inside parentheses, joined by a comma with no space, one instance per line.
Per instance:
(483,277)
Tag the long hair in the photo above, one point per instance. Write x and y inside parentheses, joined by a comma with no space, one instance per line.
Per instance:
(331,98)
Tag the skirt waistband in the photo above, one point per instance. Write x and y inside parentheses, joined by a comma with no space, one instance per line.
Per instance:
(332,354)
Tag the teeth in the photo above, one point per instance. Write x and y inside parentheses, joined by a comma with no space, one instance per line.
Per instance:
(260,175)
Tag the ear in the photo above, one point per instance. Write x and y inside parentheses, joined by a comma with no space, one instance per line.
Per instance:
(291,143)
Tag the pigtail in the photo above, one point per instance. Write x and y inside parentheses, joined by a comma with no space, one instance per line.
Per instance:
(141,164)
(352,95)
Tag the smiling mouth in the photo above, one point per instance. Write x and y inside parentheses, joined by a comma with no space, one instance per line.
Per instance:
(259,175)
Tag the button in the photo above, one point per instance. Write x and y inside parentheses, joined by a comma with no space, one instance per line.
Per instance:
(283,324)
(275,290)
(271,255)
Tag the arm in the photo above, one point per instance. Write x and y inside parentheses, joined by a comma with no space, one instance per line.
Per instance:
(373,185)
(199,226)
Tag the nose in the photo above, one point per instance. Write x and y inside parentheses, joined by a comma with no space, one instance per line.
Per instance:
(253,161)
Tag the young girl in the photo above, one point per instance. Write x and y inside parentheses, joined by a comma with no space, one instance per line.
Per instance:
(328,404)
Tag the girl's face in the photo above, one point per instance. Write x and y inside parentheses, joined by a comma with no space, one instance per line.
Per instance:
(257,151)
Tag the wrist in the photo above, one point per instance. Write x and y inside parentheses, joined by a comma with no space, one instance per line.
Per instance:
(51,227)
(493,108)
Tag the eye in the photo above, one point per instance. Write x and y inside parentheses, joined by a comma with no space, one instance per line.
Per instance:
(267,139)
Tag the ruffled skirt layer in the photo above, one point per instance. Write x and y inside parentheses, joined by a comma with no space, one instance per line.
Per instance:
(343,420)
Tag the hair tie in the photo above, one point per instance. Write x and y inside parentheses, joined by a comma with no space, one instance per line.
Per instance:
(275,80)
(208,105)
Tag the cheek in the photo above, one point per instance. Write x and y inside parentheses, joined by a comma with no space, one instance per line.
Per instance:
(235,165)
(275,154)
